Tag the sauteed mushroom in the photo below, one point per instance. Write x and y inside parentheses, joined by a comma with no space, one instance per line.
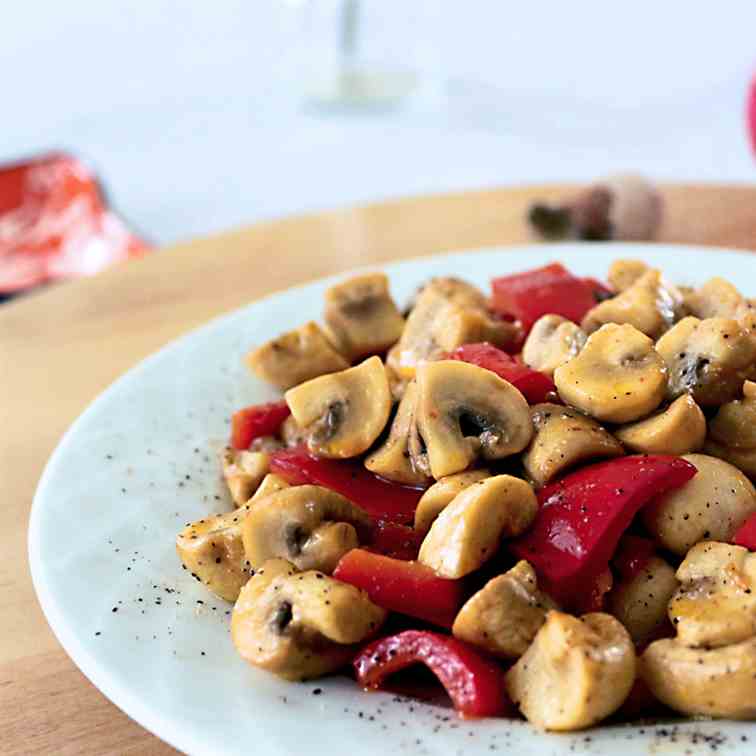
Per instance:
(295,356)
(270,484)
(243,472)
(300,625)
(552,341)
(441,493)
(343,413)
(465,411)
(624,273)
(617,377)
(310,526)
(735,422)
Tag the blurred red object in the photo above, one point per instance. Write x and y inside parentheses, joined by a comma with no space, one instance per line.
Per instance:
(55,224)
(751,113)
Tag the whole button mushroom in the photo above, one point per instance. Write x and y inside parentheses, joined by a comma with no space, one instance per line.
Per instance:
(712,505)
(295,356)
(710,359)
(552,341)
(243,472)
(310,526)
(468,531)
(563,438)
(361,316)
(576,672)
(678,429)
(505,615)
(617,377)
(650,304)
(392,460)
(464,412)
(718,682)
(716,603)
(300,625)
(442,493)
(343,413)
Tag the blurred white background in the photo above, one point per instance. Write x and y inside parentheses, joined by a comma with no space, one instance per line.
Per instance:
(188,110)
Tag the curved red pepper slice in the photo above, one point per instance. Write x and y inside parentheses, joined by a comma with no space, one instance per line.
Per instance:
(583,515)
(745,535)
(396,541)
(633,555)
(380,498)
(534,386)
(258,420)
(409,588)
(474,683)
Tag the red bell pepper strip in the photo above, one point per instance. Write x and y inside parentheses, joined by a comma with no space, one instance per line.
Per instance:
(474,682)
(745,535)
(592,599)
(409,588)
(534,386)
(542,291)
(258,420)
(380,498)
(396,541)
(583,515)
(633,555)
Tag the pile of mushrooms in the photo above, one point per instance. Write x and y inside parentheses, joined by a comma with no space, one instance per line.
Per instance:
(655,369)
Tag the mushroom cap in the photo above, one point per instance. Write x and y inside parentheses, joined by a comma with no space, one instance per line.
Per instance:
(719,682)
(617,377)
(743,459)
(708,358)
(716,603)
(392,460)
(211,549)
(678,429)
(717,298)
(243,472)
(295,356)
(650,304)
(505,615)
(735,422)
(361,315)
(711,505)
(300,625)
(468,531)
(465,411)
(575,673)
(624,273)
(343,413)
(640,603)
(311,526)
(441,493)
(564,437)
(552,341)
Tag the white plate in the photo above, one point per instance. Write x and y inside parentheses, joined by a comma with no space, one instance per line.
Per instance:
(142,461)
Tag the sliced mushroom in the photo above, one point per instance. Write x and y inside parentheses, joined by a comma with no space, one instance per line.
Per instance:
(640,603)
(710,359)
(575,673)
(716,603)
(295,356)
(465,411)
(678,429)
(617,377)
(735,422)
(300,625)
(624,273)
(719,682)
(710,506)
(743,459)
(505,615)
(291,433)
(343,413)
(310,526)
(468,531)
(717,298)
(441,493)
(361,316)
(213,552)
(243,472)
(650,304)
(447,314)
(392,460)
(552,341)
(564,437)
(270,484)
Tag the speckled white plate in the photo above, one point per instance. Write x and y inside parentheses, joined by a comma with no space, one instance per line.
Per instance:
(142,461)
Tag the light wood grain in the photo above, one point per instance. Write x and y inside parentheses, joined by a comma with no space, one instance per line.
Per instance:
(60,348)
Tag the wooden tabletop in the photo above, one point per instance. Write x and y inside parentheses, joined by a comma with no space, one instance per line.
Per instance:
(61,347)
